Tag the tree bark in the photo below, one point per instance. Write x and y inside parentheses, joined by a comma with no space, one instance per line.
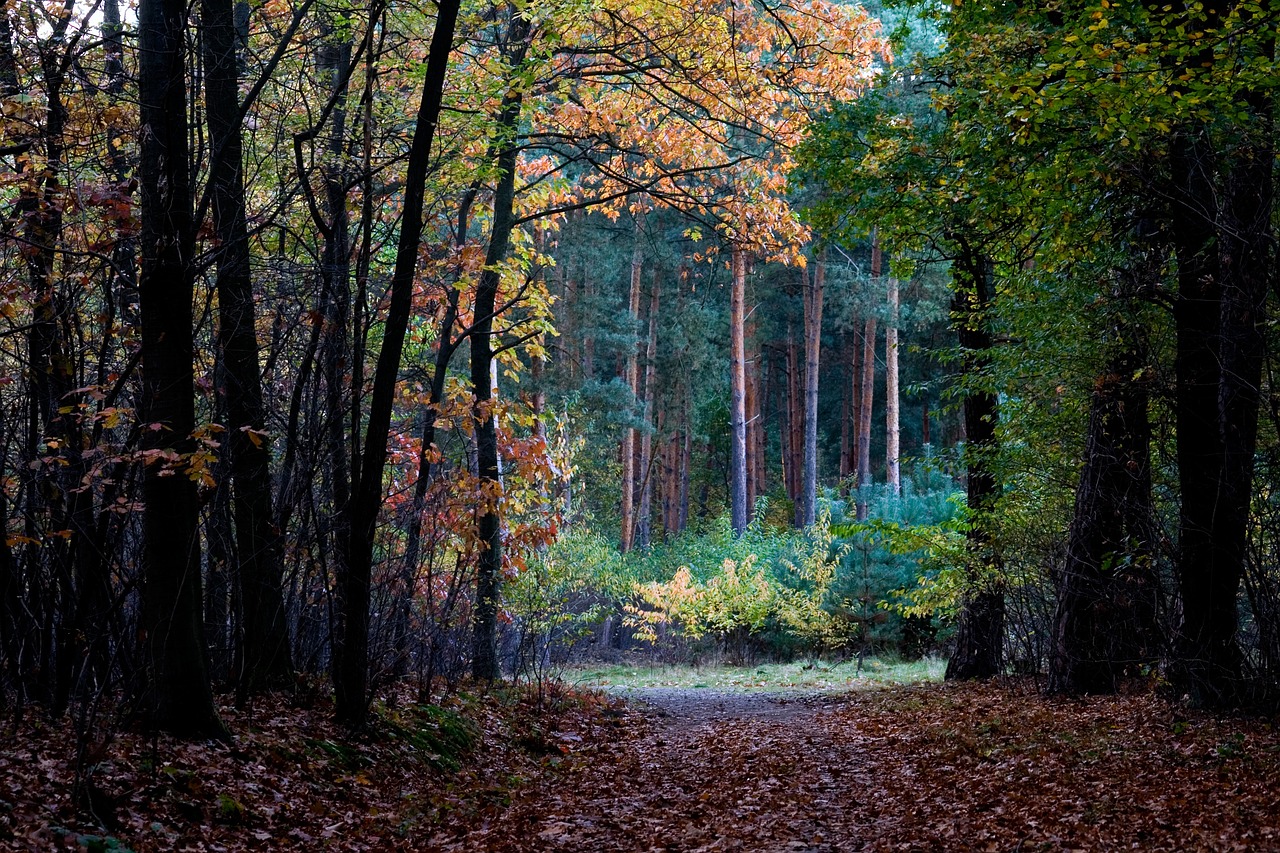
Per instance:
(793,435)
(737,394)
(979,641)
(846,408)
(645,524)
(1105,617)
(176,691)
(812,354)
(1221,235)
(632,378)
(893,473)
(264,655)
(866,405)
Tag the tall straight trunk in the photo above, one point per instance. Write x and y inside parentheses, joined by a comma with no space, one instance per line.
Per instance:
(644,527)
(737,394)
(866,404)
(334,360)
(631,375)
(854,389)
(924,419)
(484,646)
(686,458)
(792,437)
(891,427)
(812,364)
(846,408)
(588,339)
(351,649)
(979,640)
(759,420)
(868,391)
(264,655)
(175,688)
(76,570)
(751,406)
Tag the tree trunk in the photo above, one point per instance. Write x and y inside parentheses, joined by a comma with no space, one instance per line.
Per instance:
(868,396)
(893,475)
(264,655)
(737,394)
(812,354)
(759,419)
(484,647)
(176,692)
(1105,616)
(632,378)
(1220,316)
(644,525)
(979,641)
(351,664)
(793,436)
(866,404)
(846,409)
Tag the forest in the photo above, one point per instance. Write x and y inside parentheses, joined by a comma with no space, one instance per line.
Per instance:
(374,375)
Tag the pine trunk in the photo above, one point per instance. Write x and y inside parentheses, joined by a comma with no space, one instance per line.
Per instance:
(866,405)
(737,395)
(631,375)
(893,474)
(812,354)
(647,468)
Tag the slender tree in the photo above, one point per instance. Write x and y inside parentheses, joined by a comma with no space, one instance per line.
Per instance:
(812,353)
(351,647)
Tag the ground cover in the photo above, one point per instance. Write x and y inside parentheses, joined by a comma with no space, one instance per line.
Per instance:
(930,766)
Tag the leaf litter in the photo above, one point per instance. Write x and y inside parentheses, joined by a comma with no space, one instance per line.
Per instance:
(932,767)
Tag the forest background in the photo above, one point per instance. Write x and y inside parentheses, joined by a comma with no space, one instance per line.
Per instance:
(392,343)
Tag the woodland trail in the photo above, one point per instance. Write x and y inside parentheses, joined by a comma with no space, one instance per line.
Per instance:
(702,771)
(973,767)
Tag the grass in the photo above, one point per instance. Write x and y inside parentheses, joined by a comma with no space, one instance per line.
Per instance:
(799,675)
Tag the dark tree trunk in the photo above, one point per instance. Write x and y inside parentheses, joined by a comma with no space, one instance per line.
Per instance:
(1223,239)
(1105,618)
(351,649)
(979,641)
(175,687)
(264,657)
(484,647)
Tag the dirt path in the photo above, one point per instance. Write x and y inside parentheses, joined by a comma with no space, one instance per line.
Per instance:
(701,770)
(979,767)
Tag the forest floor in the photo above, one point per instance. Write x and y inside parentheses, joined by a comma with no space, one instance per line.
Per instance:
(928,767)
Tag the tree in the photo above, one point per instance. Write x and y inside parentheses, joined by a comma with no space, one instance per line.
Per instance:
(176,691)
(351,649)
(264,656)
(813,291)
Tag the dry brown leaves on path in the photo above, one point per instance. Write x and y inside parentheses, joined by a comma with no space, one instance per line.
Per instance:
(938,767)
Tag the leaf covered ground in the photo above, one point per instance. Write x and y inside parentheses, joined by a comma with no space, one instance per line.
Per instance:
(931,767)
